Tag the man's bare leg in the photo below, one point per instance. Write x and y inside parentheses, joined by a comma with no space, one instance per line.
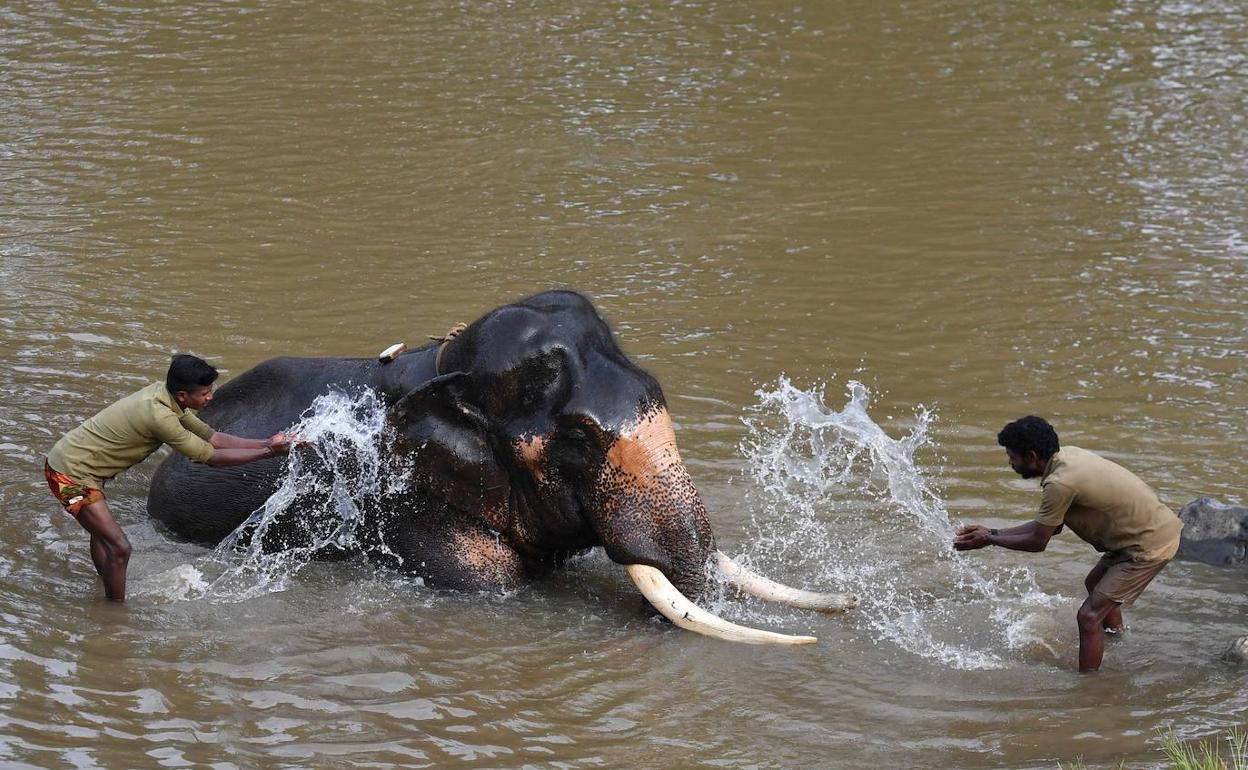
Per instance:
(110,549)
(1112,623)
(1091,618)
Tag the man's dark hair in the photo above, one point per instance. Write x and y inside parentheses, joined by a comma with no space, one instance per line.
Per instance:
(1030,434)
(188,372)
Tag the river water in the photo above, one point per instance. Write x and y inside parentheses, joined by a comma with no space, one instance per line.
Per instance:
(851,239)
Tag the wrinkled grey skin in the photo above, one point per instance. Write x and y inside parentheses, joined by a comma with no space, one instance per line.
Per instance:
(1214,533)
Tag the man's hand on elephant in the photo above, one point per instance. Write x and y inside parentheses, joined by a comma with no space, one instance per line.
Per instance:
(280,443)
(971,538)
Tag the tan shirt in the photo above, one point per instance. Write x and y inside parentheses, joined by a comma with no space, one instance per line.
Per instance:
(124,433)
(1105,504)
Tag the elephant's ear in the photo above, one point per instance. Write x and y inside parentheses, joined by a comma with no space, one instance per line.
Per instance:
(446,440)
(442,399)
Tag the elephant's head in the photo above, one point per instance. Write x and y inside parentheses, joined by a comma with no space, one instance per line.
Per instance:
(544,433)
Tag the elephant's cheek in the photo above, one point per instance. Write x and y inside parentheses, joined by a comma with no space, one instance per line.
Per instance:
(489,558)
(531,453)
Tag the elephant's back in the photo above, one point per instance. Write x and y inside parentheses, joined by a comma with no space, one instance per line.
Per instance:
(272,395)
(204,504)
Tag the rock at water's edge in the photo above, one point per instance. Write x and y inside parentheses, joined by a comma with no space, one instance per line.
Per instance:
(1237,652)
(1214,533)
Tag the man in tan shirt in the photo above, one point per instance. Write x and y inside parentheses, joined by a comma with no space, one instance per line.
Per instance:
(123,435)
(1101,502)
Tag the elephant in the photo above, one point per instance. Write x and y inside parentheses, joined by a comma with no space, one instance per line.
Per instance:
(528,436)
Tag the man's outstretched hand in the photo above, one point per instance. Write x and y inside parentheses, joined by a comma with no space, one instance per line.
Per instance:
(971,538)
(282,443)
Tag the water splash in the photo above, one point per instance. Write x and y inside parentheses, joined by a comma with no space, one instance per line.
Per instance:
(850,504)
(179,584)
(319,505)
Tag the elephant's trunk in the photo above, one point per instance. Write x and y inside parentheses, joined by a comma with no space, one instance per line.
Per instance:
(648,510)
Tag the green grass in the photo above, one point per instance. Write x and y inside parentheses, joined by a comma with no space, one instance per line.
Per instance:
(1205,755)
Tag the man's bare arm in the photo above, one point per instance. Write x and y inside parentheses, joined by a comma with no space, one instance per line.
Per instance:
(1032,536)
(223,440)
(232,450)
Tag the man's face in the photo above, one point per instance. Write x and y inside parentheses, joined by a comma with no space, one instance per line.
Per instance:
(197,398)
(1027,464)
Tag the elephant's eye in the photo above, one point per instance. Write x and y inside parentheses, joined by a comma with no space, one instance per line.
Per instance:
(576,446)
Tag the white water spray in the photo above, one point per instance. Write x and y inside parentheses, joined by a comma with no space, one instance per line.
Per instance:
(317,507)
(849,504)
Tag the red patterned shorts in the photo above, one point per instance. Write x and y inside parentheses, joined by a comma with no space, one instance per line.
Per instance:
(73,495)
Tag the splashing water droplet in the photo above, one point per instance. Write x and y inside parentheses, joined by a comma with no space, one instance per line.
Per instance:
(846,502)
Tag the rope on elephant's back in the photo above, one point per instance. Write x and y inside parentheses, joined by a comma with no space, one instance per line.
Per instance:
(445,339)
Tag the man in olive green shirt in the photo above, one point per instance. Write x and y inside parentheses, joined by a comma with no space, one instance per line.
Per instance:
(1101,502)
(123,435)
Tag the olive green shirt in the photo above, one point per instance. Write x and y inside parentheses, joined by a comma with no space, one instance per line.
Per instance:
(124,433)
(1105,504)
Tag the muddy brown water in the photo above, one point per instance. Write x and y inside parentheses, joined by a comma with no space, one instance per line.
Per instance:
(979,209)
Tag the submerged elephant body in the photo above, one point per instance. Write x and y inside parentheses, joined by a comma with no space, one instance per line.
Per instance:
(528,436)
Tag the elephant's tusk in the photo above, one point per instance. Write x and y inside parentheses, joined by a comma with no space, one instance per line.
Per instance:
(665,597)
(765,588)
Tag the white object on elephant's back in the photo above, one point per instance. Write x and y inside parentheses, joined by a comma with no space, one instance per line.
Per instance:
(674,606)
(392,352)
(765,588)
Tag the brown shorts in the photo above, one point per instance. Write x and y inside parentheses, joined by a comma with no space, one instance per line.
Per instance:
(1126,577)
(72,494)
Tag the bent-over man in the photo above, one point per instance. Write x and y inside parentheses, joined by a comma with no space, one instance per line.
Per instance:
(1101,502)
(123,435)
